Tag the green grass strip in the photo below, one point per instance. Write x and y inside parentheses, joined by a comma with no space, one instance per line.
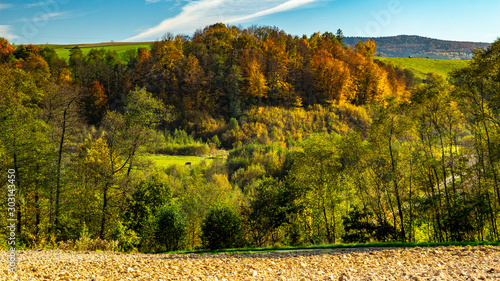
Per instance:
(336,246)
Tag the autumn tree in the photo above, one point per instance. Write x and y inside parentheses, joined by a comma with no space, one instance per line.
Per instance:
(332,78)
(94,103)
(367,49)
(6,50)
(256,81)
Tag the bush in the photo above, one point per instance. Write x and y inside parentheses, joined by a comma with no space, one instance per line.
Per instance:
(221,228)
(127,238)
(170,227)
(358,227)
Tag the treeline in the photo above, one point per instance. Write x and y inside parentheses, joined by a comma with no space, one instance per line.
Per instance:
(223,71)
(327,145)
(421,47)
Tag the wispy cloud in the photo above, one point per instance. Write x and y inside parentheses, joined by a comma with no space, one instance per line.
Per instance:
(50,16)
(196,14)
(5,32)
(5,6)
(39,4)
(176,1)
(288,5)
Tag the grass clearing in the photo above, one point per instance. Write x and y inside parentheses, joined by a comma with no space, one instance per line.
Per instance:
(422,66)
(164,161)
(63,50)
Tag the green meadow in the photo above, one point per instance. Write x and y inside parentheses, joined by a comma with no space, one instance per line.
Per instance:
(63,50)
(421,66)
(164,161)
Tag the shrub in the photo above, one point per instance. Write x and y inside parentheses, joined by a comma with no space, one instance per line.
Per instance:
(221,228)
(216,141)
(243,177)
(127,238)
(358,227)
(170,227)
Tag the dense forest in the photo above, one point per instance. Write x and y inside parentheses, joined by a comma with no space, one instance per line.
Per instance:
(421,47)
(325,144)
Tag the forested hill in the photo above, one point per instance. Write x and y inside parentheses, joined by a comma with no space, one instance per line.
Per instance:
(420,47)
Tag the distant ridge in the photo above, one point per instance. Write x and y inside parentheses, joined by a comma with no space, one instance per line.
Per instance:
(420,47)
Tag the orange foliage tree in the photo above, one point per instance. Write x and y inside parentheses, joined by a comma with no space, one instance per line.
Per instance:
(332,78)
(95,103)
(6,50)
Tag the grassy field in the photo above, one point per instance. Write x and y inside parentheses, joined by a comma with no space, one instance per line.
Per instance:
(63,50)
(163,161)
(423,66)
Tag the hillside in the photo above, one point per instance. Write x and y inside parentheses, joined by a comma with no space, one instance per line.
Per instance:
(421,66)
(312,142)
(420,47)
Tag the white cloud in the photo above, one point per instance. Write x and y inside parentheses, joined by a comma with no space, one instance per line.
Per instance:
(196,14)
(5,32)
(291,4)
(152,1)
(49,16)
(5,6)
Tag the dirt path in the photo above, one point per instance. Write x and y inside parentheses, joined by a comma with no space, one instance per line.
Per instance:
(442,263)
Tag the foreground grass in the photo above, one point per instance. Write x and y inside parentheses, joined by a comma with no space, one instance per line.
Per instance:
(339,246)
(423,66)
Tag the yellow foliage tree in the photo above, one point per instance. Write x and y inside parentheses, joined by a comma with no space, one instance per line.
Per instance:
(332,78)
(257,84)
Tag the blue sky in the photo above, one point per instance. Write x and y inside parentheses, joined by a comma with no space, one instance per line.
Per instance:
(92,21)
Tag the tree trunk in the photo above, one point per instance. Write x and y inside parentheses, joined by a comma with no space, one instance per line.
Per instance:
(104,207)
(58,180)
(396,190)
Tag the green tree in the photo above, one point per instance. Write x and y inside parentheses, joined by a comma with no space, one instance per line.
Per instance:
(233,82)
(221,228)
(317,170)
(170,228)
(271,206)
(389,126)
(477,90)
(340,37)
(25,147)
(143,205)
(358,227)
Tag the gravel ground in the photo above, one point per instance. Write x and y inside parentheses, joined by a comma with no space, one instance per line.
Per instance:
(441,263)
